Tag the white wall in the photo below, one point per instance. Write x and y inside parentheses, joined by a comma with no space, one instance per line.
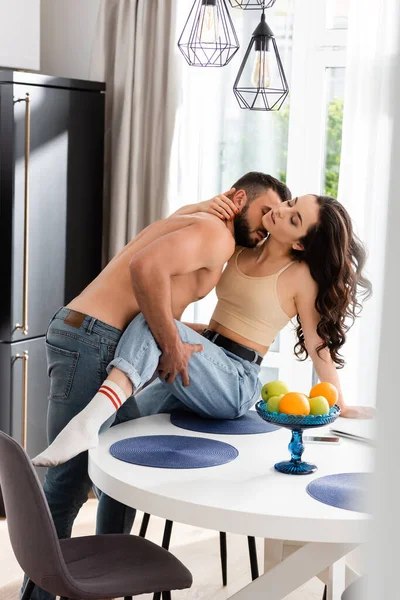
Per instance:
(67,33)
(20,34)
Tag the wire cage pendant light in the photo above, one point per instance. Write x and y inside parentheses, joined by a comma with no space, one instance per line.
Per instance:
(252,4)
(261,82)
(208,38)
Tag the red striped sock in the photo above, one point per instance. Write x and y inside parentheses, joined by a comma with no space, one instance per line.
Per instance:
(113,392)
(116,398)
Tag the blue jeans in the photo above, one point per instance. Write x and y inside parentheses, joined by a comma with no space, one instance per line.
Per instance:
(222,385)
(77,359)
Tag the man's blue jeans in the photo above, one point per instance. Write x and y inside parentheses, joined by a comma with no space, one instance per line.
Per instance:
(222,385)
(77,359)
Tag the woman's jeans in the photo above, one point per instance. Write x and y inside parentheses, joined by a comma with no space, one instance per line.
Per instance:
(222,385)
(77,358)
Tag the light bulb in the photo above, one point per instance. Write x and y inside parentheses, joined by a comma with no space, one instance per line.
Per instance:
(208,24)
(261,76)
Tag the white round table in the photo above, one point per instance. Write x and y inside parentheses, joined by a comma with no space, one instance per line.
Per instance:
(247,496)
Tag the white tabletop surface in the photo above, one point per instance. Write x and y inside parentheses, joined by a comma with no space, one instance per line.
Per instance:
(246,496)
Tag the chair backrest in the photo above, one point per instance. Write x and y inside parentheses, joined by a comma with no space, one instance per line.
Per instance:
(30,525)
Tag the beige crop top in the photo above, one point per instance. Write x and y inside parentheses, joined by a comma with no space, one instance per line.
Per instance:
(249,306)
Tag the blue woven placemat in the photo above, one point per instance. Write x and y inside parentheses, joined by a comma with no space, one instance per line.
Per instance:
(344,490)
(173,451)
(249,423)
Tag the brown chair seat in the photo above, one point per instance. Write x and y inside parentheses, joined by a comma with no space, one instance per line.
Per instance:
(121,565)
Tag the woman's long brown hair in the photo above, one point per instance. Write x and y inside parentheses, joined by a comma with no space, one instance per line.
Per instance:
(336,258)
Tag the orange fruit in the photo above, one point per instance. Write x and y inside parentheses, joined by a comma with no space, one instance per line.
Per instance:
(327,390)
(294,403)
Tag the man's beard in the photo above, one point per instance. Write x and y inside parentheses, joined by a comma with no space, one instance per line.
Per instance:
(242,231)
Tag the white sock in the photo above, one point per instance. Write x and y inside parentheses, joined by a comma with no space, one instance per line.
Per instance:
(82,431)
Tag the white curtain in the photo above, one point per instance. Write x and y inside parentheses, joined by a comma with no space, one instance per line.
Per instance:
(384,547)
(134,54)
(373,43)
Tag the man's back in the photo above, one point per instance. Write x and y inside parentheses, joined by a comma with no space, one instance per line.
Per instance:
(110,296)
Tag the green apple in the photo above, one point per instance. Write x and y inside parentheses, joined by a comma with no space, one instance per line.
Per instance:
(273,403)
(273,388)
(319,405)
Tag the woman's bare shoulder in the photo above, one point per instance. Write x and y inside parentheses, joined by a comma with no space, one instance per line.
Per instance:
(298,270)
(302,268)
(301,277)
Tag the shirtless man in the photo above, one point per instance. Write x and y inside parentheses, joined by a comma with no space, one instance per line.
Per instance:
(170,264)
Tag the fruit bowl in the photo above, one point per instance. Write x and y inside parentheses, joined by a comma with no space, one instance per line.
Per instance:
(295,466)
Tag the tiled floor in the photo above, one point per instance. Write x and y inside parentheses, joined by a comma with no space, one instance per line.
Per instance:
(197,548)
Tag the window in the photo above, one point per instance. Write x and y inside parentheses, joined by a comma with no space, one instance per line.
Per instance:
(216,142)
(317,93)
(337,13)
(335,77)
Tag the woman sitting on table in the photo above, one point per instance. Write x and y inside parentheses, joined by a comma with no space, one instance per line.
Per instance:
(309,267)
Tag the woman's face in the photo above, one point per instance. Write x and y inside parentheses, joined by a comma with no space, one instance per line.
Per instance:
(291,220)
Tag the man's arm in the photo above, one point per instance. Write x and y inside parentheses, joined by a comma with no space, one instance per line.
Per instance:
(199,245)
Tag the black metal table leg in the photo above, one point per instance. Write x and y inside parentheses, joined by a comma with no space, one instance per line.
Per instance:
(167,534)
(143,527)
(324,597)
(223,553)
(253,557)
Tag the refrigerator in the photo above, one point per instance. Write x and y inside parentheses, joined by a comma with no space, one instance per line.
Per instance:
(51,205)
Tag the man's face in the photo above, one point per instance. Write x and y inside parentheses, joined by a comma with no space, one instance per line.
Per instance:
(249,229)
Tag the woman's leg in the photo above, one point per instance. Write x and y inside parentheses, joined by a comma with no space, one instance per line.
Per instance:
(137,355)
(82,432)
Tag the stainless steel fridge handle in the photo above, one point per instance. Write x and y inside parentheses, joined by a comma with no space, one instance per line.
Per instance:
(24,326)
(24,357)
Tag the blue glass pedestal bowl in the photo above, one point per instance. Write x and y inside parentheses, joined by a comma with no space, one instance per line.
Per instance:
(295,466)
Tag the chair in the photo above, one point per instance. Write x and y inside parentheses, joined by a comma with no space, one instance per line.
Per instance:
(356,590)
(84,568)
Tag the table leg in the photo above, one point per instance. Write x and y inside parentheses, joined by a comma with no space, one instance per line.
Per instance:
(330,575)
(167,534)
(294,570)
(337,579)
(223,554)
(273,553)
(277,550)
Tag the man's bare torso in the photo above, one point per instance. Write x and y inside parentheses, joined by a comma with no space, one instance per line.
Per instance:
(110,296)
